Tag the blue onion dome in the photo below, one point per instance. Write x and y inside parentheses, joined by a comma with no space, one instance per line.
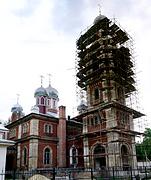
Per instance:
(99,18)
(82,107)
(41,91)
(52,92)
(17,108)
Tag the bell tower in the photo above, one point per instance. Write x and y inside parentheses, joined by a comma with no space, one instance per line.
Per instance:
(105,72)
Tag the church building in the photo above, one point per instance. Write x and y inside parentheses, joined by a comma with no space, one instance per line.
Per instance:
(102,135)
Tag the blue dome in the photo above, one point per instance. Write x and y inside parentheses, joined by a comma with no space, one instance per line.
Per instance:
(40,92)
(52,92)
(99,18)
(82,106)
(17,108)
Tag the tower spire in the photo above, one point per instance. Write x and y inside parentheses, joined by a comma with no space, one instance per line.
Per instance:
(49,76)
(41,77)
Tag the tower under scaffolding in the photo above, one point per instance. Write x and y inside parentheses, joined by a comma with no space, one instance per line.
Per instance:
(106,73)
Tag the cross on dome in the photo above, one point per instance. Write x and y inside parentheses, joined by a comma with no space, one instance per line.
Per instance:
(49,76)
(41,77)
(99,6)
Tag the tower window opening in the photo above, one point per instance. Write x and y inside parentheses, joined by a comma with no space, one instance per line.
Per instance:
(92,121)
(96,94)
(96,120)
(120,94)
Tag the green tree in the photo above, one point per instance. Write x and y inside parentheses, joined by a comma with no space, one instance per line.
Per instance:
(143,150)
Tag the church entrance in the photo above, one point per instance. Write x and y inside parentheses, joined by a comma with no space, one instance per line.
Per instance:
(10,162)
(11,158)
(99,157)
(125,157)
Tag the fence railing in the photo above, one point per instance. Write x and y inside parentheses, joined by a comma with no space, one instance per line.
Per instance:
(114,173)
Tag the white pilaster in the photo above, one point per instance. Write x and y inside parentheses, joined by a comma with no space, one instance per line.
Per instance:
(18,155)
(19,131)
(34,123)
(33,153)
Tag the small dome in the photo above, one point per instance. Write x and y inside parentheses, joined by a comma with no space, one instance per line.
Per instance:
(2,128)
(35,109)
(40,92)
(17,108)
(99,18)
(82,106)
(52,92)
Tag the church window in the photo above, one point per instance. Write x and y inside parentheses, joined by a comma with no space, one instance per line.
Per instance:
(99,156)
(48,128)
(54,103)
(73,156)
(25,156)
(47,156)
(37,100)
(42,100)
(12,133)
(48,102)
(25,128)
(96,120)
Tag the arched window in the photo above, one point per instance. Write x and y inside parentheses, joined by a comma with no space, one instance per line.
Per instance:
(25,156)
(99,150)
(73,156)
(42,100)
(99,156)
(54,103)
(25,128)
(38,100)
(125,157)
(48,102)
(47,156)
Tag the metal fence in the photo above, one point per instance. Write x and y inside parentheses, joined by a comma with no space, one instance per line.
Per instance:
(115,173)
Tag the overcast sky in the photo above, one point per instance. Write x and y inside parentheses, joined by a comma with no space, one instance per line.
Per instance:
(38,37)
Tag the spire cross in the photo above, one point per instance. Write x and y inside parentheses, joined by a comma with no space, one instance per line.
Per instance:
(18,98)
(49,75)
(41,79)
(99,6)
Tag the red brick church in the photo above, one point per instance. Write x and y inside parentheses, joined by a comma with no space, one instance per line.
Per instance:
(102,134)
(43,137)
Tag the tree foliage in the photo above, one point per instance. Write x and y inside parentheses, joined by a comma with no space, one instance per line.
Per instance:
(143,150)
